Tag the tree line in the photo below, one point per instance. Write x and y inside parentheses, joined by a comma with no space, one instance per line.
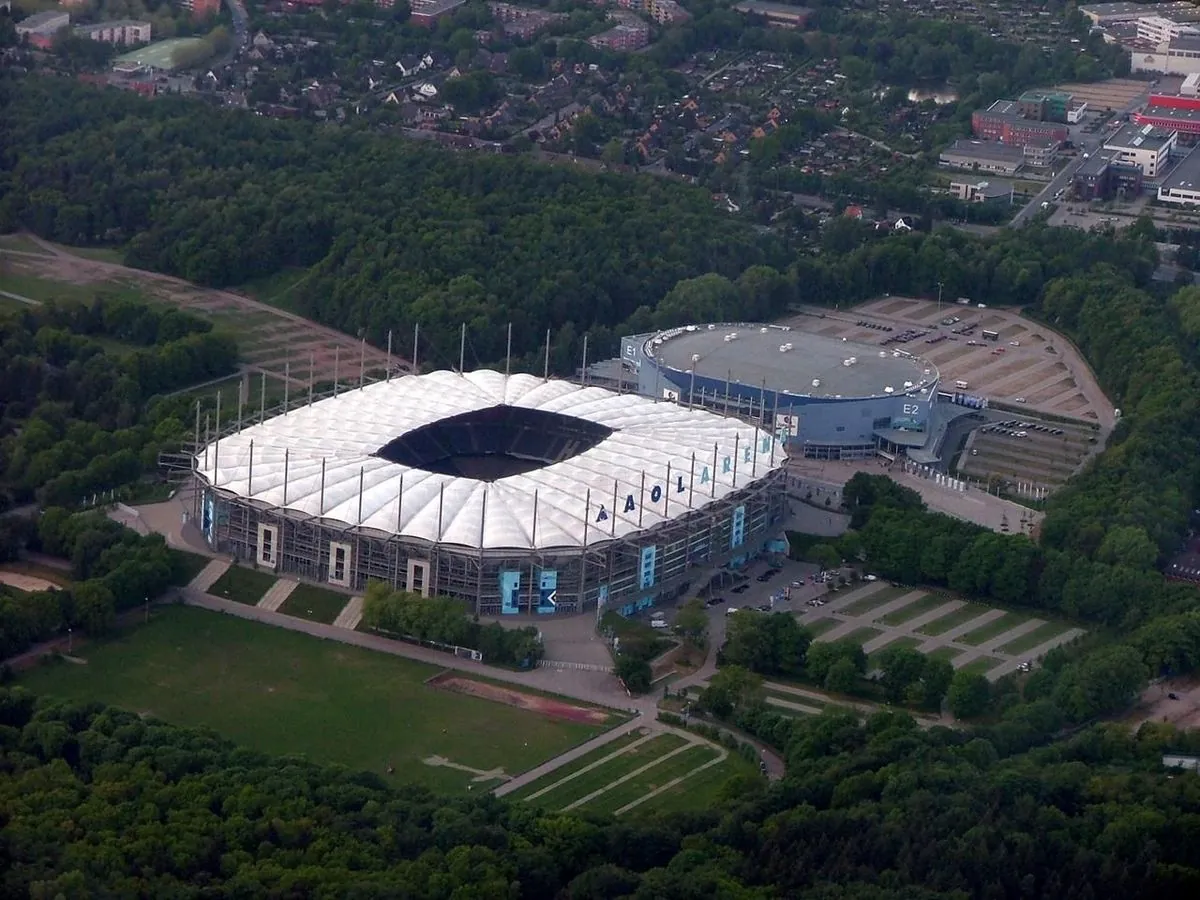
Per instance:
(112,569)
(446,621)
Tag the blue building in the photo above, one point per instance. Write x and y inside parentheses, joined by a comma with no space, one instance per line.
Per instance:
(828,398)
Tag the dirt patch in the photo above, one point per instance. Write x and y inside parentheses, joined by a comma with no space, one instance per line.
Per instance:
(27,583)
(546,706)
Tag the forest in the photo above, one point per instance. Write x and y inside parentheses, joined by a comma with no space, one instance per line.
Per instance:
(81,394)
(391,233)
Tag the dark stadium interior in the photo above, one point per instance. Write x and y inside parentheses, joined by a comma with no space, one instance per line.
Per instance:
(493,443)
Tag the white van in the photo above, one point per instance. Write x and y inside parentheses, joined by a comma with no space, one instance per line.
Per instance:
(961,385)
(659,623)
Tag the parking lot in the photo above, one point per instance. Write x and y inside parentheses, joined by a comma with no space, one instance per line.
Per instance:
(1026,450)
(1023,364)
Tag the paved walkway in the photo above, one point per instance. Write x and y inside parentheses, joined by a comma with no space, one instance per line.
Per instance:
(277,593)
(652,730)
(209,575)
(350,615)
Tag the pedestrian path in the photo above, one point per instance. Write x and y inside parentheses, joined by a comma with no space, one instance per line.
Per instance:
(574,753)
(276,594)
(350,615)
(208,576)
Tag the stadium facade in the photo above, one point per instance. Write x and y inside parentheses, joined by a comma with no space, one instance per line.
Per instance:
(826,398)
(514,493)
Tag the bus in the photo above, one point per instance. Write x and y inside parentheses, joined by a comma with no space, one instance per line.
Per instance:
(990,335)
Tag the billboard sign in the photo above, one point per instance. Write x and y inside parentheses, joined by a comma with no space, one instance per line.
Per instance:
(649,558)
(510,593)
(737,527)
(547,591)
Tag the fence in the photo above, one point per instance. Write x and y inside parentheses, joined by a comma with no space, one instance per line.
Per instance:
(577,666)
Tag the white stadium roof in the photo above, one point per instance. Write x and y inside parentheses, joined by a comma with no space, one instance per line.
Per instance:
(648,441)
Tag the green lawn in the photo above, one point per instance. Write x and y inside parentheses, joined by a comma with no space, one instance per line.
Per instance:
(914,609)
(43,289)
(656,776)
(960,616)
(276,288)
(243,585)
(607,773)
(944,653)
(307,601)
(818,627)
(981,665)
(796,699)
(992,629)
(282,692)
(575,765)
(862,635)
(878,598)
(1035,638)
(22,243)
(189,565)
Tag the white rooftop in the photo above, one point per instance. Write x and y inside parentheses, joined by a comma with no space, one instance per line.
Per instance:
(649,440)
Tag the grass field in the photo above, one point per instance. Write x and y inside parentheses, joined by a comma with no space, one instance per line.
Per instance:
(1035,638)
(307,601)
(287,693)
(914,609)
(992,629)
(165,55)
(22,243)
(593,780)
(960,616)
(243,585)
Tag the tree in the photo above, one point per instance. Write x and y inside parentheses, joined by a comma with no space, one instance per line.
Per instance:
(935,681)
(635,672)
(94,606)
(901,667)
(969,695)
(843,676)
(692,622)
(731,689)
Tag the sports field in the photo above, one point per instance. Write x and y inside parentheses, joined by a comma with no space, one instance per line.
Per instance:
(163,55)
(287,693)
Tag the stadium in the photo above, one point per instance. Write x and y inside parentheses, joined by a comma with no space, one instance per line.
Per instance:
(514,493)
(827,398)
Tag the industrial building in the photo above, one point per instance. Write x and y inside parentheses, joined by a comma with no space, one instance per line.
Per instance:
(1144,146)
(427,13)
(40,29)
(826,398)
(989,157)
(779,15)
(991,191)
(1179,56)
(1111,13)
(515,494)
(1182,186)
(1172,112)
(1003,121)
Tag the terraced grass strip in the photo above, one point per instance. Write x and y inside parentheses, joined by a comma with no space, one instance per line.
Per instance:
(818,627)
(862,635)
(960,616)
(646,765)
(307,601)
(902,641)
(945,652)
(552,778)
(626,792)
(914,609)
(700,790)
(992,629)
(982,665)
(878,598)
(585,782)
(1035,638)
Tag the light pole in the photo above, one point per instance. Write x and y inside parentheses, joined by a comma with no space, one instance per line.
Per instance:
(939,298)
(70,641)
